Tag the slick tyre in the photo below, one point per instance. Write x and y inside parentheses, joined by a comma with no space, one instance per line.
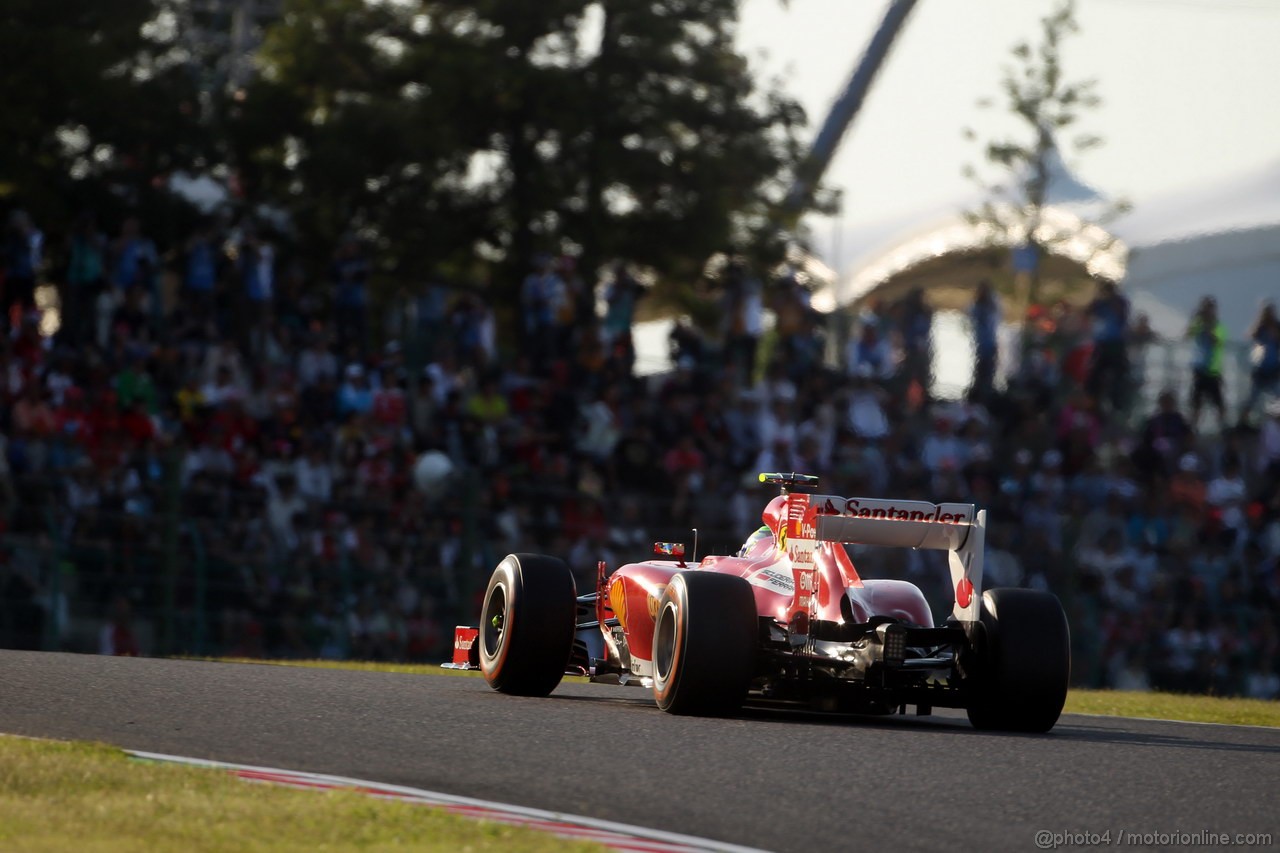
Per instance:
(527,625)
(704,644)
(1023,662)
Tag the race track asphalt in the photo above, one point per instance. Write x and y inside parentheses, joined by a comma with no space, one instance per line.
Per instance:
(775,780)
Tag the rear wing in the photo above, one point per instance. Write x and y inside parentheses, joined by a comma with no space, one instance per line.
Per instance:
(958,529)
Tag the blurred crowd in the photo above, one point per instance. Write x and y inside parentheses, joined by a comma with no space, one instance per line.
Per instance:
(254,456)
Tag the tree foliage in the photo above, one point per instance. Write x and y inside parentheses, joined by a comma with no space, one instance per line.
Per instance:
(1047,109)
(449,131)
(97,108)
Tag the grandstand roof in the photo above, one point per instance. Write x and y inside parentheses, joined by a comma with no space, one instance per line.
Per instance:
(1222,238)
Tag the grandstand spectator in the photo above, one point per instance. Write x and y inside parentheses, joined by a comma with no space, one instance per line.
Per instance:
(1166,436)
(540,294)
(257,268)
(349,273)
(1226,496)
(984,318)
(1109,364)
(1264,359)
(869,354)
(941,448)
(621,296)
(866,415)
(133,258)
(916,325)
(200,273)
(23,257)
(1207,335)
(85,278)
(743,319)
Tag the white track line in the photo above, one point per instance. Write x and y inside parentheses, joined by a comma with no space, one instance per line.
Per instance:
(619,836)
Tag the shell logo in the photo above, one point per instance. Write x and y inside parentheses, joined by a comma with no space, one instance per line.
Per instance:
(618,601)
(654,599)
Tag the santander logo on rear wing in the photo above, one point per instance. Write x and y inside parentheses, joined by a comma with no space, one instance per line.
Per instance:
(894,524)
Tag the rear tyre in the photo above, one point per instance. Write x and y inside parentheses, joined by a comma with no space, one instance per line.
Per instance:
(527,625)
(1023,662)
(704,644)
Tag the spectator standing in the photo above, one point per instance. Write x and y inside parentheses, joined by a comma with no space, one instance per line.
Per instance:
(1108,376)
(1140,338)
(621,296)
(540,294)
(1264,358)
(573,308)
(1208,337)
(86,270)
(23,254)
(917,327)
(200,274)
(133,258)
(349,273)
(744,319)
(984,316)
(795,328)
(257,278)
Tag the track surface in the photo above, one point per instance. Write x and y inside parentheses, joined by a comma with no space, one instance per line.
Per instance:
(780,781)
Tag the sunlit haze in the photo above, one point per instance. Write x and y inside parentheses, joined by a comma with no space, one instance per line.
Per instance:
(1190,91)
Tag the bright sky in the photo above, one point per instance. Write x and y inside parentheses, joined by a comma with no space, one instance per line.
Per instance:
(1190,88)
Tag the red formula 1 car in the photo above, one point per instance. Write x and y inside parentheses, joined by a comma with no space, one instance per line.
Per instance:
(788,619)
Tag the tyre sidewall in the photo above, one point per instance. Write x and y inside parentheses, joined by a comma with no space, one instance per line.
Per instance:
(712,655)
(672,608)
(539,622)
(1025,653)
(497,667)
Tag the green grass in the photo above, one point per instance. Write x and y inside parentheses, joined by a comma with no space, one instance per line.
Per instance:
(57,796)
(1174,706)
(1115,703)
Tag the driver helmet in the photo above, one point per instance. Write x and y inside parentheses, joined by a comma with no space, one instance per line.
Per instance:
(753,544)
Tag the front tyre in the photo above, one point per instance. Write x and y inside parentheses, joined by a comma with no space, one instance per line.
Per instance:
(527,624)
(1024,662)
(704,644)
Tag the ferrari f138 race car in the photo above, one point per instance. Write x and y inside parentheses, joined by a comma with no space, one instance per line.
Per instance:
(787,620)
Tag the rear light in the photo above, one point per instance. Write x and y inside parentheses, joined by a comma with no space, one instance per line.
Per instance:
(799,624)
(895,644)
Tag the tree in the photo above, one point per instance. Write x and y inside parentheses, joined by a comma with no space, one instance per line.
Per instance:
(453,131)
(682,154)
(97,109)
(1047,107)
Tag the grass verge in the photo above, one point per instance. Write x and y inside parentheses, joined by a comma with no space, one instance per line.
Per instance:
(57,796)
(1174,706)
(1115,703)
